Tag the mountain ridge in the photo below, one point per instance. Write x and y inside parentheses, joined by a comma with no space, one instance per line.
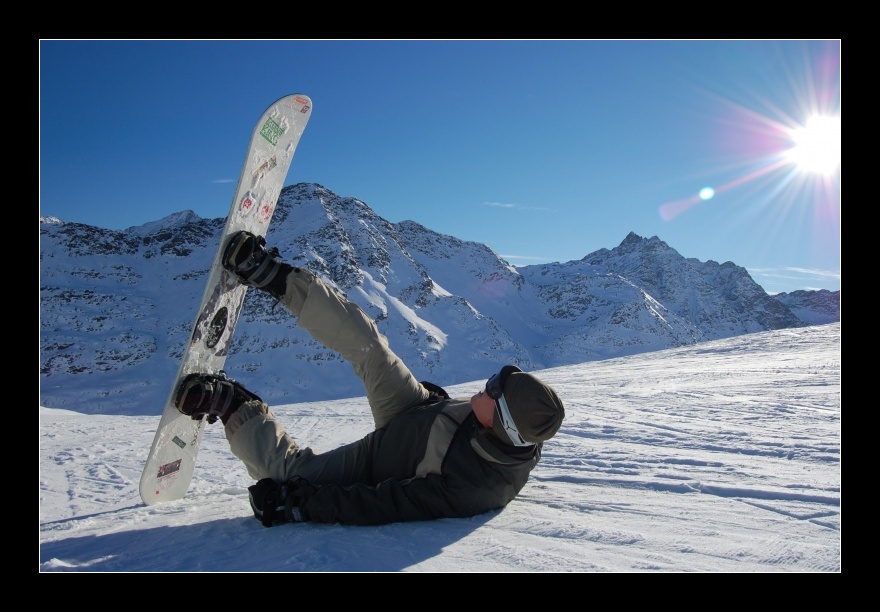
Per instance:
(116,307)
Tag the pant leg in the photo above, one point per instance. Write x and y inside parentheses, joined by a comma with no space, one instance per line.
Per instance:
(267,451)
(341,326)
(262,444)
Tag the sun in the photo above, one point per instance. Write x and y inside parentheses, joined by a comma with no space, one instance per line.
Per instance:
(816,145)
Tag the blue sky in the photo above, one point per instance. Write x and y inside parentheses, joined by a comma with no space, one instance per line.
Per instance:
(544,150)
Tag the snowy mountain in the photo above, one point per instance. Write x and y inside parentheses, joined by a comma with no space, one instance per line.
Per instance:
(117,307)
(813,307)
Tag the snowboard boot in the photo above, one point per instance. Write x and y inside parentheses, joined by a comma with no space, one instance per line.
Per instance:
(213,395)
(246,256)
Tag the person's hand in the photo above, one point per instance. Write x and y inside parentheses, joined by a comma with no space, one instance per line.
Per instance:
(275,503)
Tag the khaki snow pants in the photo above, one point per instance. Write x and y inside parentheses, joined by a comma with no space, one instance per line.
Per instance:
(260,441)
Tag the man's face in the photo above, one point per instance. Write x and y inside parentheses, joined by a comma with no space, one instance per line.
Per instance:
(484,407)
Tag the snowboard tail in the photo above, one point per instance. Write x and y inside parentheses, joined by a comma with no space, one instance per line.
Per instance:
(171,461)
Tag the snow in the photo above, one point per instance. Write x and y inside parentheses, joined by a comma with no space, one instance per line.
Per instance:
(718,457)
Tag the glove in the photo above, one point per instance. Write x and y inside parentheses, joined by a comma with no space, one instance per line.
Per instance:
(275,503)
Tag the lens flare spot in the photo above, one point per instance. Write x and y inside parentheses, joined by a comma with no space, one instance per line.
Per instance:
(707,193)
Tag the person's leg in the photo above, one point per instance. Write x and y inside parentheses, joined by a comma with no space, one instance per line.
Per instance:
(341,326)
(254,436)
(267,451)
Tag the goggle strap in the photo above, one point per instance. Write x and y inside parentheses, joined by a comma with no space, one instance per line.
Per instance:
(508,423)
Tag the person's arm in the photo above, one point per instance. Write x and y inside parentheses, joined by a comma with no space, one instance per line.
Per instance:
(419,499)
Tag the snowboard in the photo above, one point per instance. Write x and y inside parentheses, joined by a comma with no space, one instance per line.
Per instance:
(171,461)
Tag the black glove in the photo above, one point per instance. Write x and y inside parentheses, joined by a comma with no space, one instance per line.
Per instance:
(275,503)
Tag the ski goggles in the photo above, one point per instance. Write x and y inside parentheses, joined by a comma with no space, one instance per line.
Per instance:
(495,390)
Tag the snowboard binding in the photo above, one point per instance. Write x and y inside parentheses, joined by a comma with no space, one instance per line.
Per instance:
(246,256)
(213,395)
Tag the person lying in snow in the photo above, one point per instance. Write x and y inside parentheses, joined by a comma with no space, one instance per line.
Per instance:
(429,457)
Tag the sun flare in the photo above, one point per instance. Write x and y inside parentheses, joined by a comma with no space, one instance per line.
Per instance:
(816,145)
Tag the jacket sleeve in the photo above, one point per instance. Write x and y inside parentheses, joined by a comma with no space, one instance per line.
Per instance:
(430,497)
